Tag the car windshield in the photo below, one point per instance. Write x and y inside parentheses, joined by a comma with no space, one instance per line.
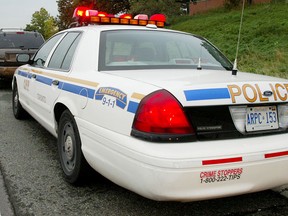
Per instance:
(20,40)
(142,49)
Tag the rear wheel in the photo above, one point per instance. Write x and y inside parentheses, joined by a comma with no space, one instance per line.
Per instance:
(18,110)
(72,160)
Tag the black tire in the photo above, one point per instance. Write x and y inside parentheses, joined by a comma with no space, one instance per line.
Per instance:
(18,111)
(72,161)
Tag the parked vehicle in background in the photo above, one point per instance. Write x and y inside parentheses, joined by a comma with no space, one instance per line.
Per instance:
(14,41)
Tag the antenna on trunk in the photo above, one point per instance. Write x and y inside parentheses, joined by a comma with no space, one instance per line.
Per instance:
(234,70)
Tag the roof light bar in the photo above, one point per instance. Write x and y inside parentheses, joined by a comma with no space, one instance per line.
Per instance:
(92,13)
(158,17)
(126,16)
(141,17)
(83,12)
(123,21)
(102,14)
(85,16)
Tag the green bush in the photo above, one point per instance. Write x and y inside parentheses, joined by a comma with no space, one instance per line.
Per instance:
(229,4)
(263,43)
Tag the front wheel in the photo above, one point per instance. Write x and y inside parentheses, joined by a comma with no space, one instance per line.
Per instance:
(18,110)
(72,160)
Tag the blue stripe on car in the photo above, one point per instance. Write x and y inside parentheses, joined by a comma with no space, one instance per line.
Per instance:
(44,80)
(132,107)
(207,94)
(23,73)
(78,90)
(29,75)
(62,85)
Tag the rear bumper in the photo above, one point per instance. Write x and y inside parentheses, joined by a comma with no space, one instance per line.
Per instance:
(188,171)
(7,72)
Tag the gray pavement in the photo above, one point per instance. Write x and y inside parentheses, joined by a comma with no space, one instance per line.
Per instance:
(30,166)
(5,205)
(283,190)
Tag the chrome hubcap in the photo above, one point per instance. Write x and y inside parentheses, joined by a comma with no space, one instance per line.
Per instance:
(68,146)
(16,100)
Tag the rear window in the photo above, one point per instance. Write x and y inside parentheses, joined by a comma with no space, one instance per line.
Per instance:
(143,49)
(22,40)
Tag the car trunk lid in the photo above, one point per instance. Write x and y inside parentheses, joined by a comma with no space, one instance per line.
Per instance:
(218,103)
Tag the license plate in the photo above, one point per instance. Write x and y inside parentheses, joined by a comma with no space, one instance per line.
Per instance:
(261,118)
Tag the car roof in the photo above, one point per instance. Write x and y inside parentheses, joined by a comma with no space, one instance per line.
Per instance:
(16,30)
(119,27)
(10,29)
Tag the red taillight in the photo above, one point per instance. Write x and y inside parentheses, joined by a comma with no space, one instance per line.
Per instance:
(161,113)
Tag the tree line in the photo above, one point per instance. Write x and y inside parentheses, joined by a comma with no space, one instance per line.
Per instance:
(48,25)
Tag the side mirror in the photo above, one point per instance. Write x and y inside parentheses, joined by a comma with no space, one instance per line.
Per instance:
(23,58)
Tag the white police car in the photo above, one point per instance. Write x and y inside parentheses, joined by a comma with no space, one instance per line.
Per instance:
(155,111)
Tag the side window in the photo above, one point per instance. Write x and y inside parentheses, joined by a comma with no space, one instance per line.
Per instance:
(42,55)
(63,54)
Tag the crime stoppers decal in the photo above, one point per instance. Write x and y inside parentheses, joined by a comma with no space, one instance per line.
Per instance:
(223,175)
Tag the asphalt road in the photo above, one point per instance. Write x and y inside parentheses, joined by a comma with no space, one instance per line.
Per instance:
(33,179)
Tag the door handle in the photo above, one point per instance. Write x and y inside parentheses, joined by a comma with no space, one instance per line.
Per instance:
(55,82)
(33,76)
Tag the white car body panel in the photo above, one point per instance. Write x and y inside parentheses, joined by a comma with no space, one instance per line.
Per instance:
(186,171)
(176,83)
(174,171)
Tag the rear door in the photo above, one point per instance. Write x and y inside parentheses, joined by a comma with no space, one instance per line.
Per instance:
(51,66)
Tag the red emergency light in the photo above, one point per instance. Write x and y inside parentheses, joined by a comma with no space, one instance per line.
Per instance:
(126,16)
(102,14)
(158,17)
(141,17)
(81,12)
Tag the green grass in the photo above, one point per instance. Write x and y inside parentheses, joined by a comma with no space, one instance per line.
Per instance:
(264,38)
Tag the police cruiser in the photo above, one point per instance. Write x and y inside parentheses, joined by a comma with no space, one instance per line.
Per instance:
(154,110)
